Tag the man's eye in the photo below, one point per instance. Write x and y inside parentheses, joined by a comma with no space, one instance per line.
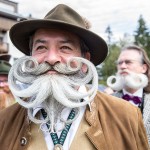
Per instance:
(128,62)
(40,47)
(65,48)
(119,62)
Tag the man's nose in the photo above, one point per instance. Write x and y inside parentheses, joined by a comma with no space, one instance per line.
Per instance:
(52,57)
(123,65)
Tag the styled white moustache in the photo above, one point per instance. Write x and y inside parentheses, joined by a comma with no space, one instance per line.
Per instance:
(131,80)
(52,92)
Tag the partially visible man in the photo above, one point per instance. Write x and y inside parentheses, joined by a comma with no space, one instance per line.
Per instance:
(50,88)
(6,97)
(132,81)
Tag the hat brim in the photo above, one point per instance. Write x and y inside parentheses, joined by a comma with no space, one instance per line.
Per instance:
(5,57)
(4,67)
(21,32)
(4,73)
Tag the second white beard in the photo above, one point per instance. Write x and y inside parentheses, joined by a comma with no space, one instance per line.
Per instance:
(133,81)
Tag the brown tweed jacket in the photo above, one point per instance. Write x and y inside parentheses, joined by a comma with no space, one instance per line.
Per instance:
(113,125)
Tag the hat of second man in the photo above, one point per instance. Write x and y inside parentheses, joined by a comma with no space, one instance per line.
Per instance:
(4,64)
(4,67)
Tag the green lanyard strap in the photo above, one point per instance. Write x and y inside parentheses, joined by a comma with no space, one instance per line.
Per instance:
(64,132)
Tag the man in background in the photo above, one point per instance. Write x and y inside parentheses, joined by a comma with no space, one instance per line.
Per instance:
(132,82)
(6,97)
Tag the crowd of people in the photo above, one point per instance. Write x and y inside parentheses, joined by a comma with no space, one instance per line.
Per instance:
(55,107)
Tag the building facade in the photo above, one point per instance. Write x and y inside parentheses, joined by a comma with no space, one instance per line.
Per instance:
(8,16)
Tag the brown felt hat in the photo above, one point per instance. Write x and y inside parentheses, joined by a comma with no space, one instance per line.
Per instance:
(65,18)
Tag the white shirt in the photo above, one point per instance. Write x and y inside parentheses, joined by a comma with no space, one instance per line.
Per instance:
(73,129)
(138,93)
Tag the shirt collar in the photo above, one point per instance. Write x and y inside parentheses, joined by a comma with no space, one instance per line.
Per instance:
(138,93)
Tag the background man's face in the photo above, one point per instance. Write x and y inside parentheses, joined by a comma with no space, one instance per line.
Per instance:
(3,80)
(6,97)
(132,61)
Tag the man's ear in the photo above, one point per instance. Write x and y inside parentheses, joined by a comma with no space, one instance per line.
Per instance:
(144,68)
(87,55)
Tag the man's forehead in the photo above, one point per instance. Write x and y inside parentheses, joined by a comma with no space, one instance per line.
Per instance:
(55,32)
(129,55)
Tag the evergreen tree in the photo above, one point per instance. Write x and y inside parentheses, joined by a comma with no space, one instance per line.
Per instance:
(142,35)
(108,67)
(109,34)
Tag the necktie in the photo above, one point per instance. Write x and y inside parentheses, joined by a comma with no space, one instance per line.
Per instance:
(135,99)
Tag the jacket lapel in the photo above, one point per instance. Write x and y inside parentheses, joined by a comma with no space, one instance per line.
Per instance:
(95,132)
(146,110)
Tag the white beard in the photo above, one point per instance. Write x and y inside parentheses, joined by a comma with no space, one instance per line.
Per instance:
(52,92)
(132,80)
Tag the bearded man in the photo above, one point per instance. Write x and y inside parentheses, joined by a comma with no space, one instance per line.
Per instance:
(132,82)
(6,97)
(56,110)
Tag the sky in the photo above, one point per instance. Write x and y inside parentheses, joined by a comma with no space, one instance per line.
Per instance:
(120,15)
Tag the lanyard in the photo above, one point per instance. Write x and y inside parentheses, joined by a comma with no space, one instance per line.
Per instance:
(58,142)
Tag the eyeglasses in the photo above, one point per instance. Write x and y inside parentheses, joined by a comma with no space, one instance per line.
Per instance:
(127,62)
